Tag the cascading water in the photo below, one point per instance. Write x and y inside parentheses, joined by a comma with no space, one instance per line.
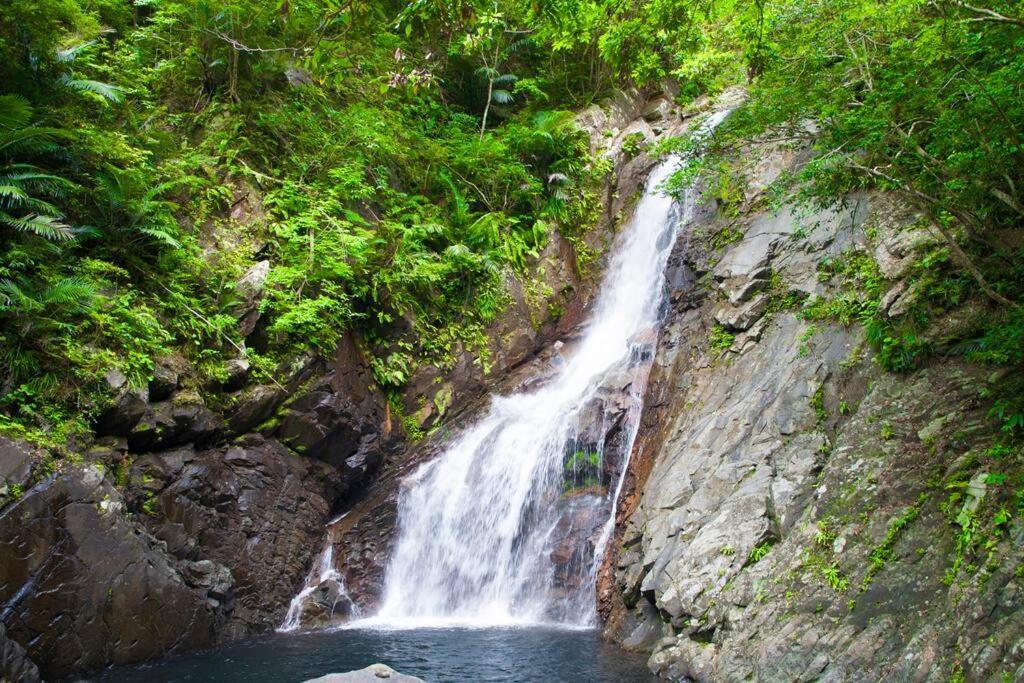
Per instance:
(509,524)
(489,532)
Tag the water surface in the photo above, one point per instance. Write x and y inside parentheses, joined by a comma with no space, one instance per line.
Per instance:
(435,655)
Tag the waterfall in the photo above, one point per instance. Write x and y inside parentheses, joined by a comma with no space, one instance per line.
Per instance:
(324,579)
(508,525)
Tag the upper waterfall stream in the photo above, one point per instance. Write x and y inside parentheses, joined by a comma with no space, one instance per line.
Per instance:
(508,525)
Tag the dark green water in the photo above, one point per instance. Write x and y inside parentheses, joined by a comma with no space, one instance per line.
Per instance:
(435,655)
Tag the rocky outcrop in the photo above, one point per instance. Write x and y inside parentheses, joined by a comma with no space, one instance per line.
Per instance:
(245,518)
(788,514)
(82,585)
(14,662)
(186,528)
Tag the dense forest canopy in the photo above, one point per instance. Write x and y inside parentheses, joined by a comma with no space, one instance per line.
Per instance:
(395,162)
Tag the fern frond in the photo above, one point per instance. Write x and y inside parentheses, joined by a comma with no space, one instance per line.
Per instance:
(161,236)
(15,111)
(12,195)
(70,54)
(70,291)
(49,227)
(111,93)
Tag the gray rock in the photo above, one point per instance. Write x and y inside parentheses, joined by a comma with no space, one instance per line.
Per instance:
(795,446)
(18,460)
(371,674)
(743,316)
(250,290)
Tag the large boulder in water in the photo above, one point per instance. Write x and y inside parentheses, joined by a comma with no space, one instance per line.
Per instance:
(375,673)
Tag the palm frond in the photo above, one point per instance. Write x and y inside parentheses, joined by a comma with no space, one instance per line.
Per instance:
(501,97)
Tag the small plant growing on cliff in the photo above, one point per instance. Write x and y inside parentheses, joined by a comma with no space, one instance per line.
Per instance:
(824,536)
(149,504)
(633,144)
(834,578)
(758,552)
(720,339)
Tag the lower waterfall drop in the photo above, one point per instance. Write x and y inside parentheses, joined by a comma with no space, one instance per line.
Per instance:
(508,525)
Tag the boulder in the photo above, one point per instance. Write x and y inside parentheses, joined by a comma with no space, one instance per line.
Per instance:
(171,423)
(250,290)
(253,406)
(123,414)
(237,374)
(375,673)
(164,381)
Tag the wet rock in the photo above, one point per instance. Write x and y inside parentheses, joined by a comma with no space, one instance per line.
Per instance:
(371,674)
(18,460)
(237,374)
(164,381)
(340,420)
(83,586)
(125,412)
(212,577)
(15,666)
(253,509)
(328,604)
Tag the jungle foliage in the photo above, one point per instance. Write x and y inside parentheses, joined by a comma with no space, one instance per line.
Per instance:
(395,161)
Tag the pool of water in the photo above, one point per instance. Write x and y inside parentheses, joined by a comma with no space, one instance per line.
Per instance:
(435,655)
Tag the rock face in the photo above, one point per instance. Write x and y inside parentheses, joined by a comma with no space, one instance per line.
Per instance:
(83,586)
(245,518)
(185,529)
(788,514)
